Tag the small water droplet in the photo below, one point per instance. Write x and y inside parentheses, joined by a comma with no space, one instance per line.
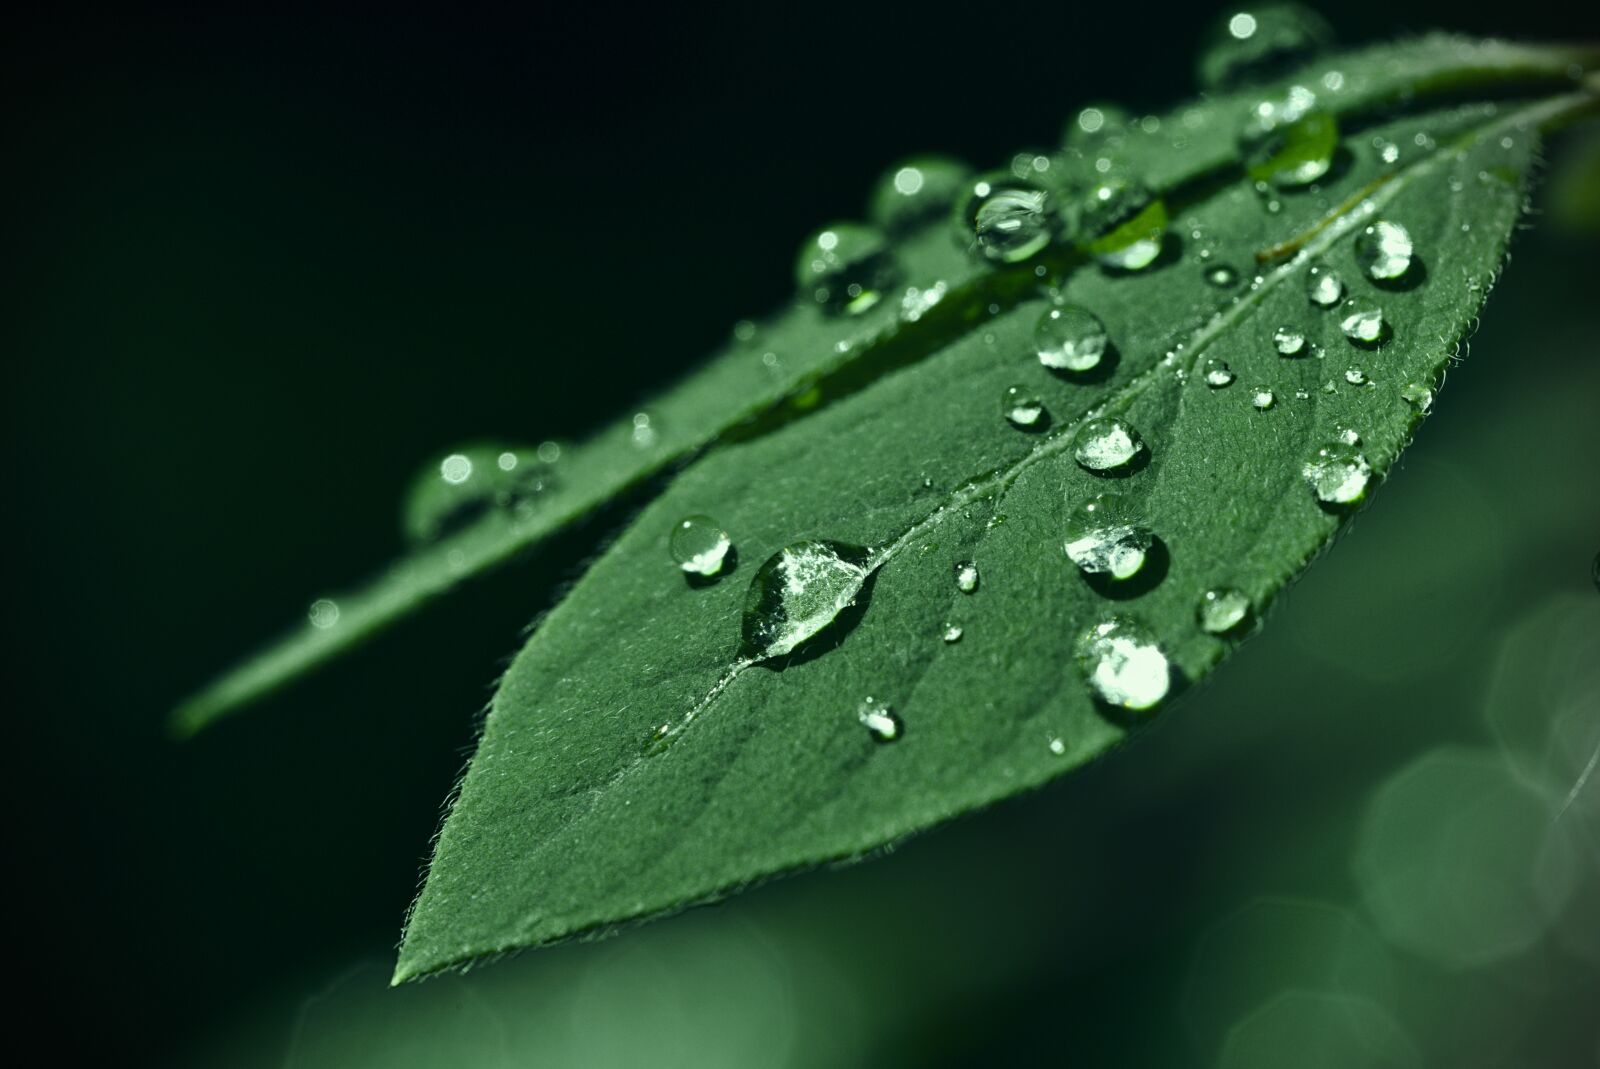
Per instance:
(846,268)
(917,190)
(471,482)
(699,545)
(1361,319)
(952,634)
(645,433)
(1095,127)
(1123,224)
(1262,398)
(1337,474)
(1387,151)
(1355,376)
(1384,251)
(1123,664)
(1106,444)
(880,720)
(1289,141)
(1217,373)
(1288,341)
(549,452)
(1253,45)
(1222,276)
(1220,611)
(744,330)
(1070,338)
(1348,435)
(1324,287)
(1107,536)
(1419,395)
(1058,747)
(323,614)
(1007,219)
(1022,407)
(966,573)
(799,591)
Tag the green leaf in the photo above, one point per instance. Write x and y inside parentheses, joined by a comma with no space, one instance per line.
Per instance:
(643,753)
(815,358)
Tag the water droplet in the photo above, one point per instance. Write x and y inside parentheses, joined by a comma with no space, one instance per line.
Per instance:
(1107,536)
(846,268)
(1094,127)
(1383,251)
(1217,373)
(917,190)
(1348,435)
(1106,444)
(1324,287)
(1420,396)
(952,634)
(1058,747)
(880,720)
(1260,43)
(1022,407)
(1288,341)
(1289,141)
(1069,338)
(470,482)
(1337,474)
(699,545)
(1222,610)
(1007,219)
(798,592)
(549,452)
(744,330)
(1262,398)
(1222,276)
(966,573)
(1361,319)
(1355,376)
(645,433)
(323,614)
(1123,664)
(1123,224)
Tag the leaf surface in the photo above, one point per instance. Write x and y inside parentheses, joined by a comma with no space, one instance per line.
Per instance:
(802,359)
(635,760)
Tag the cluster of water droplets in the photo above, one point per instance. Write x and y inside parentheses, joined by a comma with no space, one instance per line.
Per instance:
(473,481)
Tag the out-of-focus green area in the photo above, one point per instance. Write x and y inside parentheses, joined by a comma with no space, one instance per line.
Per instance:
(272,265)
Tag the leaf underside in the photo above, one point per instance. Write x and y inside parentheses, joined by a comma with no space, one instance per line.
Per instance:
(573,818)
(737,395)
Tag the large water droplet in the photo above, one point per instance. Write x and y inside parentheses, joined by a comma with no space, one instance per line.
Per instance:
(966,573)
(1007,219)
(1123,224)
(468,483)
(1022,407)
(1288,341)
(1220,611)
(1288,141)
(917,190)
(1069,338)
(1361,319)
(1107,536)
(699,545)
(1383,251)
(880,720)
(798,592)
(1338,474)
(1106,444)
(846,268)
(1217,373)
(1123,664)
(1324,287)
(1258,43)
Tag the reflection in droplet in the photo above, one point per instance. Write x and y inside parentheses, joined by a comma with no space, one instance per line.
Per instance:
(1106,444)
(1107,536)
(1123,664)
(1289,141)
(845,268)
(1383,251)
(1361,320)
(1288,341)
(1123,224)
(1007,219)
(799,591)
(1070,338)
(699,545)
(1324,287)
(1021,407)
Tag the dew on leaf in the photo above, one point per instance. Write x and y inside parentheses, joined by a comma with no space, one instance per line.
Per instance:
(1262,397)
(699,545)
(1105,444)
(1221,276)
(1058,746)
(323,613)
(1217,373)
(1384,251)
(966,573)
(1007,219)
(1107,536)
(1222,610)
(952,634)
(468,483)
(1094,126)
(1288,141)
(917,190)
(845,268)
(1123,224)
(799,591)
(1361,320)
(1324,287)
(1338,474)
(1021,407)
(1288,341)
(1355,376)
(1070,338)
(1258,43)
(1123,664)
(1418,395)
(880,720)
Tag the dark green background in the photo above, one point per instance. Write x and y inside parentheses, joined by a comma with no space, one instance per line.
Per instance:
(265,263)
